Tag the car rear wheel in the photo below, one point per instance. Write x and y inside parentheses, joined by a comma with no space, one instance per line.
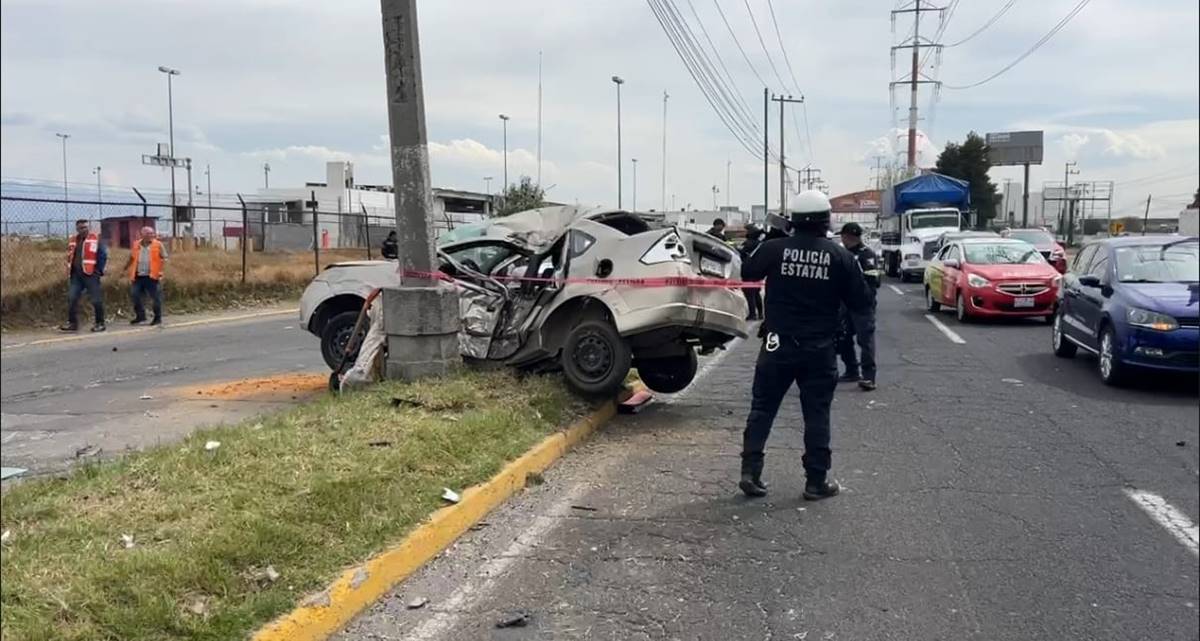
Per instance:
(1112,370)
(335,336)
(960,309)
(1063,347)
(595,360)
(931,304)
(668,375)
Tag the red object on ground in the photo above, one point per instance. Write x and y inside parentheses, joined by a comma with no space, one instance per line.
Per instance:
(635,402)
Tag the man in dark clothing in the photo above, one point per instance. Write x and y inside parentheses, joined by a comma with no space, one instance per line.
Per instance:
(718,229)
(808,278)
(753,295)
(86,259)
(859,326)
(391,247)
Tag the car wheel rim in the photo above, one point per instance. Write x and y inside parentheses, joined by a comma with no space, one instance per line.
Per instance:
(594,357)
(1106,356)
(341,340)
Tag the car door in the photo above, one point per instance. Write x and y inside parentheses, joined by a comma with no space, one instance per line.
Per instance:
(933,275)
(1089,306)
(951,272)
(1073,324)
(482,299)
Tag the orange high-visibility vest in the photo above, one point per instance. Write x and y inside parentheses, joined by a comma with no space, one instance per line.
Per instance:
(156,260)
(91,245)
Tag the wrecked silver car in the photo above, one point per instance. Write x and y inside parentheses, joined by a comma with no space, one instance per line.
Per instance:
(590,292)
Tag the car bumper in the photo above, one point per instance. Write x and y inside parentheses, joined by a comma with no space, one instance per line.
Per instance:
(914,266)
(316,293)
(720,310)
(989,302)
(1177,350)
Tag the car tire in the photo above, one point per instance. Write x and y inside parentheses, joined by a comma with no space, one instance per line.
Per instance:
(1063,347)
(335,335)
(1112,370)
(930,304)
(595,360)
(668,375)
(961,313)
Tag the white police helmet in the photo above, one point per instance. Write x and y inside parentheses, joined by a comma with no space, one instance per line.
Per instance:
(809,206)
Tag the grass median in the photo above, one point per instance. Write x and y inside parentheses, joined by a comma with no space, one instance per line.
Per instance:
(224,540)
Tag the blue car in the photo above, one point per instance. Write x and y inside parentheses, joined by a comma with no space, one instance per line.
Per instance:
(1133,301)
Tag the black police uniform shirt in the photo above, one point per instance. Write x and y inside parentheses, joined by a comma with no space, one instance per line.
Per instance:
(808,279)
(869,262)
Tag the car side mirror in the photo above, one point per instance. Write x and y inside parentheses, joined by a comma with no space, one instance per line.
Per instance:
(952,263)
(1089,280)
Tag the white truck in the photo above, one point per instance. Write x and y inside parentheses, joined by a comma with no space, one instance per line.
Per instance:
(1189,222)
(914,215)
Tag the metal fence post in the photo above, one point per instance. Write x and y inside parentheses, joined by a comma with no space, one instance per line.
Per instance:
(316,240)
(245,222)
(367,225)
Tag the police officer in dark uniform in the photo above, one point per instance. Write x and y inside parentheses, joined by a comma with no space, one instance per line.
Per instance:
(809,278)
(860,326)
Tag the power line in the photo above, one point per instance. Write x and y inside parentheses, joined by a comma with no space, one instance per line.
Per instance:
(737,42)
(1037,45)
(721,62)
(763,43)
(1003,10)
(795,83)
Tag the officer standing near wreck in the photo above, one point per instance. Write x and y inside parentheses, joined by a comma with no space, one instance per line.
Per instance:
(808,279)
(861,327)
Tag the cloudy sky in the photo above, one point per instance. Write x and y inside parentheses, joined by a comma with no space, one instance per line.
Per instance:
(298,82)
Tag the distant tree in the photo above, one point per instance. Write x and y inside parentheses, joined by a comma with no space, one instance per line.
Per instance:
(520,197)
(969,161)
(1195,200)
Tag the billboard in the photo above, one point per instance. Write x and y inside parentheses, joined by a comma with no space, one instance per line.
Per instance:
(1015,148)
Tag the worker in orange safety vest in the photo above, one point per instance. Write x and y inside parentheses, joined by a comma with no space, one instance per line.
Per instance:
(86,259)
(145,271)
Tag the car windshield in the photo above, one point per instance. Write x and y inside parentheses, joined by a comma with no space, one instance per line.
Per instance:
(1010,253)
(1032,236)
(1177,262)
(935,219)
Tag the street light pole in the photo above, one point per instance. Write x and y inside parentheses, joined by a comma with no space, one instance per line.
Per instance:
(66,212)
(266,175)
(171,139)
(634,207)
(99,196)
(504,119)
(618,81)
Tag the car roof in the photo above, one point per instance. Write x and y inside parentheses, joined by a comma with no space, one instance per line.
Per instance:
(976,240)
(1133,241)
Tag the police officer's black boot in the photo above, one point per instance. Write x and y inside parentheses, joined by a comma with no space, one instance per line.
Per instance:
(822,489)
(751,483)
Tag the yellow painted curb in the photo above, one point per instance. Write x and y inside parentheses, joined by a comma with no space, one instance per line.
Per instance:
(325,613)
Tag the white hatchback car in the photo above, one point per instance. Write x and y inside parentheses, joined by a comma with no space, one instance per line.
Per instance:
(551,289)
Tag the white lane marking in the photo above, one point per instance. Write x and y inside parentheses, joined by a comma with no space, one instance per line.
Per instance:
(139,330)
(1171,519)
(897,290)
(446,617)
(954,338)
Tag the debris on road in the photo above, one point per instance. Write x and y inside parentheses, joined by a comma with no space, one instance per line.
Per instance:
(145,397)
(211,445)
(6,536)
(515,621)
(416,603)
(1012,381)
(1180,443)
(127,541)
(583,508)
(379,443)
(87,451)
(534,478)
(398,401)
(450,495)
(9,472)
(636,402)
(264,576)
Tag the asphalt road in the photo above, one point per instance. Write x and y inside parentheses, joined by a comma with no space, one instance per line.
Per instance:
(85,395)
(993,492)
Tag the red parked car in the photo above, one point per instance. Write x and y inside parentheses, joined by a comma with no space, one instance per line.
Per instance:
(992,277)
(1051,250)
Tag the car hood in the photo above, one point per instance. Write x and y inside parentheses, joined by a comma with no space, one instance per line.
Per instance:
(1005,272)
(1177,299)
(536,229)
(931,233)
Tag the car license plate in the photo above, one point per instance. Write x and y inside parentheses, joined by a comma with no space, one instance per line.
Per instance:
(1023,302)
(712,267)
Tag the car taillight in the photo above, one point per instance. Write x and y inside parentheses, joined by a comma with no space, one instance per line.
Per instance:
(667,249)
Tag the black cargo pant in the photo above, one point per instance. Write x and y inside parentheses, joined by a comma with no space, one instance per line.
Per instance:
(860,328)
(812,367)
(754,302)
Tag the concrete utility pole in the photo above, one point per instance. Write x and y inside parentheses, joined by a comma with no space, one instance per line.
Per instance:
(66,212)
(783,100)
(808,180)
(539,133)
(1146,216)
(266,175)
(171,138)
(421,318)
(728,165)
(99,195)
(767,154)
(634,206)
(664,152)
(504,120)
(208,189)
(1068,170)
(617,80)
